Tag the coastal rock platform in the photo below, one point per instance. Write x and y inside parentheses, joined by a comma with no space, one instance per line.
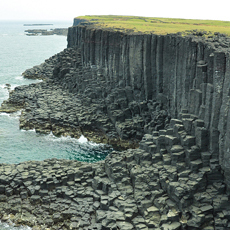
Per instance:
(162,102)
(76,100)
(167,183)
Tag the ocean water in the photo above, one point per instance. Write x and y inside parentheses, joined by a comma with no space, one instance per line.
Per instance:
(19,52)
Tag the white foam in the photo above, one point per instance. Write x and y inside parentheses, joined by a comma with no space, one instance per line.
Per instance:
(10,226)
(6,87)
(19,78)
(51,137)
(29,130)
(12,115)
(94,144)
(3,86)
(4,114)
(83,139)
(12,87)
(16,114)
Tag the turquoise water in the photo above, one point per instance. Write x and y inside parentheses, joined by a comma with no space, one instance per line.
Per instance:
(18,53)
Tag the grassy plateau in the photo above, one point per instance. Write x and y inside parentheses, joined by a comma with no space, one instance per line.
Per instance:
(159,25)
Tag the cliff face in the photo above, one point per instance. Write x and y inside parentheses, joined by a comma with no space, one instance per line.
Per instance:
(184,73)
(170,94)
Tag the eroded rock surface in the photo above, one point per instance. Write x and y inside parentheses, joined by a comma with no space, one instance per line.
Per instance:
(168,183)
(168,93)
(75,100)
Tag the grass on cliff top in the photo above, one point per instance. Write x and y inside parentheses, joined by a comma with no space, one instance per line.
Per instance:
(159,25)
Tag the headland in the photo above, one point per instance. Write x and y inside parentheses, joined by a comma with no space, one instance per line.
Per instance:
(161,98)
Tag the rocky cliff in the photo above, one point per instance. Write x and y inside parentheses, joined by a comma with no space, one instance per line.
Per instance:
(168,93)
(182,73)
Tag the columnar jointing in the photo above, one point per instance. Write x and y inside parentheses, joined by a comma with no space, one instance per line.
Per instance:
(180,72)
(170,94)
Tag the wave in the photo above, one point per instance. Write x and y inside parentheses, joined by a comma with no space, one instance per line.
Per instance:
(29,130)
(15,115)
(5,114)
(5,226)
(6,86)
(20,78)
(68,139)
(13,86)
(82,139)
(3,86)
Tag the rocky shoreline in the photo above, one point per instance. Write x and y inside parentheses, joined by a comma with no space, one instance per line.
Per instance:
(74,100)
(169,174)
(168,183)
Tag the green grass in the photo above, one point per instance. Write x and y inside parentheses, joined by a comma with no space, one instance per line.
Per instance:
(158,25)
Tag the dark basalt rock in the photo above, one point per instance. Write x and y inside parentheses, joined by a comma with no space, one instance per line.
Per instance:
(75,100)
(129,190)
(168,93)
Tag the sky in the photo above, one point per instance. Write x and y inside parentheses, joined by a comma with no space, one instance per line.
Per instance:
(66,10)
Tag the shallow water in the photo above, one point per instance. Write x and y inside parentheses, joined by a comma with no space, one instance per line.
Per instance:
(18,53)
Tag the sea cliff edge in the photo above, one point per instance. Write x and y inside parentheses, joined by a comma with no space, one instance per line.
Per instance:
(167,94)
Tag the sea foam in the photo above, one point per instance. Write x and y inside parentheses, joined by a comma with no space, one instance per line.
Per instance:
(4,226)
(82,139)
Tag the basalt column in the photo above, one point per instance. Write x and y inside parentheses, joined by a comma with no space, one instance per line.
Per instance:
(182,73)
